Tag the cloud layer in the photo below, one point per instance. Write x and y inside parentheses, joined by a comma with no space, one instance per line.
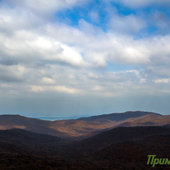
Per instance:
(40,54)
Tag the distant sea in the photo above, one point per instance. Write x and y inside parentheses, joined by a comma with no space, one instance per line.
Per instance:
(55,118)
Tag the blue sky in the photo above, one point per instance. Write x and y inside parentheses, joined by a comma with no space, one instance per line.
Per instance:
(84,57)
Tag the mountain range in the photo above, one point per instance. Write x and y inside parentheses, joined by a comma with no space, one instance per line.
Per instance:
(114,141)
(83,127)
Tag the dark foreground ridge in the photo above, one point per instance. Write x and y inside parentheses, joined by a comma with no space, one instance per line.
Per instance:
(118,148)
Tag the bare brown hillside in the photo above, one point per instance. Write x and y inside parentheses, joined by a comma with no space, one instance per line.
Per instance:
(83,127)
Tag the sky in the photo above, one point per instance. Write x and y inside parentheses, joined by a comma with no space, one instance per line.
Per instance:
(84,57)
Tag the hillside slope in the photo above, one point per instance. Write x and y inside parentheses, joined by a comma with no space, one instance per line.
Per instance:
(117,149)
(83,127)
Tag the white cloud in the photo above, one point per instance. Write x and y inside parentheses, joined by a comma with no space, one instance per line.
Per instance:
(47,80)
(26,45)
(142,3)
(37,88)
(127,24)
(44,6)
(94,16)
(60,89)
(14,73)
(162,81)
(55,57)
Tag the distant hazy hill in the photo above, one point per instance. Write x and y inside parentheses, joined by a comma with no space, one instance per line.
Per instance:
(83,127)
(117,116)
(30,124)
